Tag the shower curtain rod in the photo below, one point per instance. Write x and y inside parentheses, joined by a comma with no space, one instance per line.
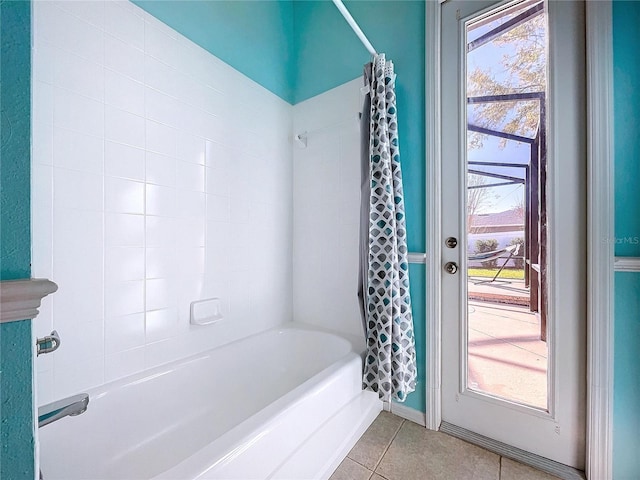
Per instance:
(354,26)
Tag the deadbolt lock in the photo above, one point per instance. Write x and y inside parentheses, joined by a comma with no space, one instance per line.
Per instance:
(451,242)
(451,267)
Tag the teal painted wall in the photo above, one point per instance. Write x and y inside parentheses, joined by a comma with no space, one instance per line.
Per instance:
(626,404)
(417,276)
(253,37)
(15,252)
(16,395)
(329,54)
(626,37)
(626,426)
(17,453)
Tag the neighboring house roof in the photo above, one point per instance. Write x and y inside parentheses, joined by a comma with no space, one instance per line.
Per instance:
(499,219)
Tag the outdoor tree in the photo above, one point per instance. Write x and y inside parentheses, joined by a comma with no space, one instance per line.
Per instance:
(477,197)
(519,209)
(523,70)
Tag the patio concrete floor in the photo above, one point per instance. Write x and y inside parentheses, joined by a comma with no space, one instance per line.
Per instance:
(509,291)
(506,356)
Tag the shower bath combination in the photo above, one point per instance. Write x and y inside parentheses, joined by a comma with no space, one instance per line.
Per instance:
(167,199)
(206,418)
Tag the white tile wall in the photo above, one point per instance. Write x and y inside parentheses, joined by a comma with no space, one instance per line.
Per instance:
(160,176)
(326,210)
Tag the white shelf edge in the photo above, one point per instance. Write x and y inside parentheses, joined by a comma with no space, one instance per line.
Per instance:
(627,264)
(20,299)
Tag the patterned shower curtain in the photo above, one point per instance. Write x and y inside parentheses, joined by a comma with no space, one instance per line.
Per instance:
(390,363)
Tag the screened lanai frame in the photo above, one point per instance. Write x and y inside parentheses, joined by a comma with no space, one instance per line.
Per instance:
(535,177)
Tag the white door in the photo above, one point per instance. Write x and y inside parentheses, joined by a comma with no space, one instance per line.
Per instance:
(506,374)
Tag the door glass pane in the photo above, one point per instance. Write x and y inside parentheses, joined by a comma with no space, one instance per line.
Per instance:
(506,68)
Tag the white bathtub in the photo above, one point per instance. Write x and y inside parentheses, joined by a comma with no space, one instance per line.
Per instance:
(286,403)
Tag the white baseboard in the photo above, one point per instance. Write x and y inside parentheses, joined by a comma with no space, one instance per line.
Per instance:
(408,413)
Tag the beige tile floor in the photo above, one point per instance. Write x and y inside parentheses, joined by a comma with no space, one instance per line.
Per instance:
(396,449)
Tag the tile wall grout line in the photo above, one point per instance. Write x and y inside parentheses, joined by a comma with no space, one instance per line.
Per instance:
(54,298)
(104,215)
(145,342)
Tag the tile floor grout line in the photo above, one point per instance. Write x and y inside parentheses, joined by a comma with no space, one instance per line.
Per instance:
(388,446)
(356,461)
(376,473)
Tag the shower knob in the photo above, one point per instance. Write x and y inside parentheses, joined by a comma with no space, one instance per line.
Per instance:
(451,267)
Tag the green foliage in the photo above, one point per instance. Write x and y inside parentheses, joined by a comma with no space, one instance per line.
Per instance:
(487,245)
(523,70)
(518,262)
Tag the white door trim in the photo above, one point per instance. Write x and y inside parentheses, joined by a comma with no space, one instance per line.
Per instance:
(600,256)
(600,247)
(433,329)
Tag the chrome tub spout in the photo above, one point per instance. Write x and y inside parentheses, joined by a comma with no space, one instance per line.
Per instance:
(70,406)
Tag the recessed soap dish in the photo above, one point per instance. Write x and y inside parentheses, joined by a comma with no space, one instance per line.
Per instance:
(205,312)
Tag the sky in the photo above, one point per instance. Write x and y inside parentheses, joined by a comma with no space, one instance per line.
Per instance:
(488,57)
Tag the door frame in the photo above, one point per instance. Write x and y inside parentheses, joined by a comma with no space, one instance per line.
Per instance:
(600,229)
